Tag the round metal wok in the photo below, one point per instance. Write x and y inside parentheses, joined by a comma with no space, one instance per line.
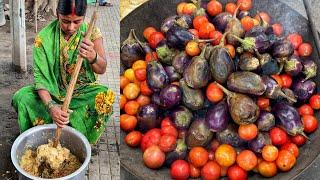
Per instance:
(152,13)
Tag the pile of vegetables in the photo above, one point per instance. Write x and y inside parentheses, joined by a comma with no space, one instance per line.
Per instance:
(215,93)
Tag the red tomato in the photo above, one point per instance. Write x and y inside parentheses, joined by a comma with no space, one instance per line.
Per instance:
(310,123)
(148,31)
(194,171)
(152,137)
(205,29)
(247,23)
(278,79)
(247,160)
(265,16)
(305,49)
(295,39)
(216,35)
(151,56)
(171,130)
(210,171)
(305,110)
(214,8)
(214,93)
(277,29)
(140,74)
(198,21)
(230,7)
(153,157)
(180,170)
(248,131)
(263,102)
(291,147)
(167,143)
(314,101)
(194,32)
(287,80)
(299,140)
(245,4)
(198,156)
(278,136)
(155,38)
(285,160)
(166,122)
(236,173)
(133,139)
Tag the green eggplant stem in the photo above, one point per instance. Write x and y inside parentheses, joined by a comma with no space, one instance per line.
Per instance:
(203,51)
(236,11)
(238,39)
(223,38)
(304,135)
(204,40)
(226,91)
(287,97)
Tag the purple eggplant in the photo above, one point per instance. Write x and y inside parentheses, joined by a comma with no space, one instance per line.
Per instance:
(259,42)
(303,90)
(181,117)
(178,37)
(218,117)
(242,108)
(199,133)
(259,142)
(265,121)
(192,98)
(289,93)
(170,96)
(293,66)
(246,82)
(197,73)
(148,117)
(268,65)
(273,90)
(166,54)
(131,50)
(288,118)
(185,21)
(168,23)
(157,77)
(235,29)
(243,14)
(221,20)
(309,69)
(181,61)
(247,62)
(180,152)
(172,73)
(221,64)
(230,136)
(255,31)
(155,99)
(282,49)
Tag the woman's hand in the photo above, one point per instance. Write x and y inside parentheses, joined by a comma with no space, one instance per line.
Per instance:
(87,51)
(60,117)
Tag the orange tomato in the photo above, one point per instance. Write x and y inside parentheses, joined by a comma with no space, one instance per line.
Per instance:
(247,23)
(151,56)
(263,102)
(123,82)
(231,50)
(267,169)
(210,171)
(291,147)
(139,64)
(230,7)
(214,8)
(189,8)
(143,100)
(129,73)
(131,107)
(277,29)
(131,91)
(216,36)
(225,155)
(180,8)
(144,88)
(192,48)
(205,30)
(133,139)
(278,79)
(245,4)
(214,93)
(128,122)
(148,31)
(270,153)
(140,74)
(247,160)
(198,21)
(248,131)
(285,160)
(198,156)
(122,101)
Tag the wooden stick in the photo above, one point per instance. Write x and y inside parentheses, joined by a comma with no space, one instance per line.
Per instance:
(74,79)
(36,14)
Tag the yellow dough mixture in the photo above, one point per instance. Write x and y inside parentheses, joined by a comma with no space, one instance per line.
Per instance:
(49,162)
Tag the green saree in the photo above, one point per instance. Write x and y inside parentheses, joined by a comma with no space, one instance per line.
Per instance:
(54,60)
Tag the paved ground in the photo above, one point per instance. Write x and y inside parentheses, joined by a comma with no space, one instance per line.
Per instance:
(105,155)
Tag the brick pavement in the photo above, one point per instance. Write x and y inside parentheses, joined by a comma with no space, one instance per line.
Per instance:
(105,163)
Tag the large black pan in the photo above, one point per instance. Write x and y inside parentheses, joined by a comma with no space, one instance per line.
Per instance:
(153,13)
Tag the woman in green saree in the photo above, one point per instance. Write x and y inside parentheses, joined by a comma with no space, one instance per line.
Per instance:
(54,57)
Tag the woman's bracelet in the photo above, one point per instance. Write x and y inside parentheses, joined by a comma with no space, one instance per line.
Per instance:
(50,104)
(95,59)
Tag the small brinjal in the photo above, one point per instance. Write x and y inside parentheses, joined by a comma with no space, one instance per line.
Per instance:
(248,62)
(268,65)
(265,121)
(178,37)
(192,98)
(168,23)
(172,73)
(221,20)
(197,73)
(246,82)
(148,117)
(242,108)
(157,77)
(230,136)
(288,118)
(288,92)
(184,21)
(282,49)
(181,61)
(199,133)
(259,42)
(309,69)
(221,64)
(234,28)
(303,90)
(180,152)
(170,96)
(293,66)
(273,90)
(255,31)
(181,117)
(259,142)
(166,54)
(243,14)
(131,50)
(218,117)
